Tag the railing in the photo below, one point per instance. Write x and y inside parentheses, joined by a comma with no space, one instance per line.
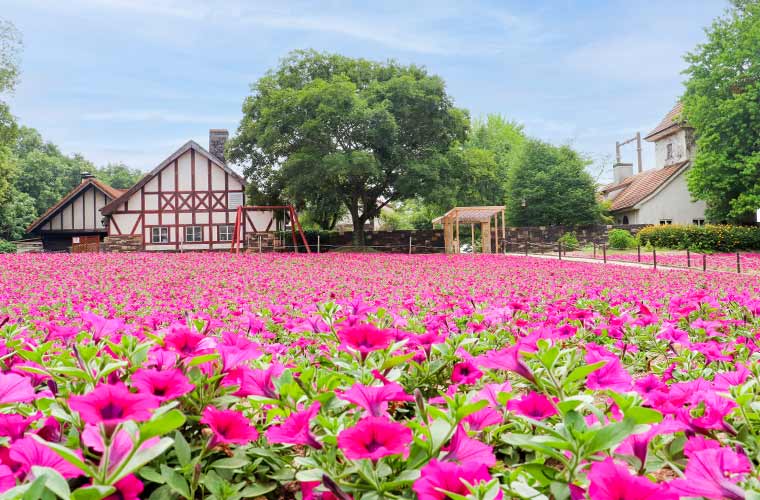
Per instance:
(684,259)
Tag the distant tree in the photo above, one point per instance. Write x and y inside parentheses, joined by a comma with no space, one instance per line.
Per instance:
(475,172)
(118,175)
(550,186)
(722,103)
(16,214)
(10,50)
(361,130)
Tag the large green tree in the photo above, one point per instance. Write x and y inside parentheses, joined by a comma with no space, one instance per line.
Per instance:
(550,186)
(10,48)
(360,130)
(118,175)
(722,103)
(475,172)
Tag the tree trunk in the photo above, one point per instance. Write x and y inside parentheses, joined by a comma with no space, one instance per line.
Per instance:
(358,237)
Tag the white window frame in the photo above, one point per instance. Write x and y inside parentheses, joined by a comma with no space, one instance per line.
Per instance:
(159,234)
(228,228)
(193,234)
(669,151)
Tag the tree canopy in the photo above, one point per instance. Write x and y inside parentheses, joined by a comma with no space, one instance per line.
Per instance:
(337,128)
(722,103)
(550,186)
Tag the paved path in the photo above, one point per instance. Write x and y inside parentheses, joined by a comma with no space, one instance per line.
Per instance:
(640,265)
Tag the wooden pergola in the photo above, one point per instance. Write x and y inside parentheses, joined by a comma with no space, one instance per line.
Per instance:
(472,215)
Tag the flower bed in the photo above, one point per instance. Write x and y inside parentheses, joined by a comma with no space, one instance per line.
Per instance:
(749,262)
(374,376)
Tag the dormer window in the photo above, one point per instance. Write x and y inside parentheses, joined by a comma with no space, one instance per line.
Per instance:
(669,151)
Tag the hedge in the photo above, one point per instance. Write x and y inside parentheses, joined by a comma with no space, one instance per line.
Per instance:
(7,247)
(714,238)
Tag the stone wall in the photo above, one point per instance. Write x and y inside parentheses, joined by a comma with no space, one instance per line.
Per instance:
(123,243)
(548,235)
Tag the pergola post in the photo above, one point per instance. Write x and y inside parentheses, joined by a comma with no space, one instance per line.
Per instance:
(485,235)
(456,250)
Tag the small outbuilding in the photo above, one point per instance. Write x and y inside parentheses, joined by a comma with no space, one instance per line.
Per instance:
(75,223)
(489,235)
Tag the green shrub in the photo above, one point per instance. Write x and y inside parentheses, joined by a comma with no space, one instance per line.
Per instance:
(620,239)
(7,247)
(569,241)
(712,238)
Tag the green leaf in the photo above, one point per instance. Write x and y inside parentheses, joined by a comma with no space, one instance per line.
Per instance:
(583,371)
(94,492)
(230,463)
(182,449)
(175,481)
(142,457)
(609,436)
(641,415)
(54,481)
(396,360)
(162,424)
(258,489)
(150,474)
(205,358)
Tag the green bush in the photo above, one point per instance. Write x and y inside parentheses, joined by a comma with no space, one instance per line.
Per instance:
(569,241)
(620,239)
(711,238)
(7,247)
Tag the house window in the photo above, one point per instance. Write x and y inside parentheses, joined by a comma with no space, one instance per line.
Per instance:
(666,222)
(669,151)
(193,234)
(234,200)
(698,222)
(225,232)
(159,235)
(625,219)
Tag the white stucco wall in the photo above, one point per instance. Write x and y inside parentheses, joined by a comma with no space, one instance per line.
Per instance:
(683,148)
(671,202)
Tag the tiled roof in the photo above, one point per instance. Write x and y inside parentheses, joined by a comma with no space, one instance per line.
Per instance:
(670,120)
(91,181)
(637,187)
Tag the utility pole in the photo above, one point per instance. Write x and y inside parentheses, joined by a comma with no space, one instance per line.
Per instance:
(618,145)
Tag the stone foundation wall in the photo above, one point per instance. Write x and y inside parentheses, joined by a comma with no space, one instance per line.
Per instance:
(123,243)
(548,235)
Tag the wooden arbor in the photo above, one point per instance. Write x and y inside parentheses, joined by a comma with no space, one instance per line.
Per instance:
(472,215)
(289,209)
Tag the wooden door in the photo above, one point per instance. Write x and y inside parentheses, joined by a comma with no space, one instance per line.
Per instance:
(81,244)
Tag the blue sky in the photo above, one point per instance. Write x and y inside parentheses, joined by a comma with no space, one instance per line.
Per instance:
(131,80)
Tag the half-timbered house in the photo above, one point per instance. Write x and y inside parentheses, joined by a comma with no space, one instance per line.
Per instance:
(75,223)
(188,202)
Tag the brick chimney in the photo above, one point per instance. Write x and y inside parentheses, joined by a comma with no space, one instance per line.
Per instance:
(217,138)
(622,171)
(85,176)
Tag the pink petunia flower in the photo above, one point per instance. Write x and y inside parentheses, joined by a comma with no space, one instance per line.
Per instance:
(465,373)
(163,384)
(365,338)
(15,388)
(113,404)
(437,478)
(610,481)
(713,473)
(612,375)
(228,426)
(254,382)
(374,399)
(506,359)
(464,449)
(295,429)
(27,452)
(128,488)
(374,438)
(533,405)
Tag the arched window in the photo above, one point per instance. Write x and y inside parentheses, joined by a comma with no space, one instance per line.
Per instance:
(625,219)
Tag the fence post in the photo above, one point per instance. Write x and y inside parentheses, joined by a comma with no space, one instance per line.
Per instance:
(604,252)
(318,242)
(259,243)
(738,263)
(559,249)
(594,243)
(410,245)
(704,262)
(654,256)
(526,247)
(688,258)
(638,251)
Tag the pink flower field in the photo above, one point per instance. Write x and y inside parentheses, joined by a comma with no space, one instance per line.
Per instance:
(374,377)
